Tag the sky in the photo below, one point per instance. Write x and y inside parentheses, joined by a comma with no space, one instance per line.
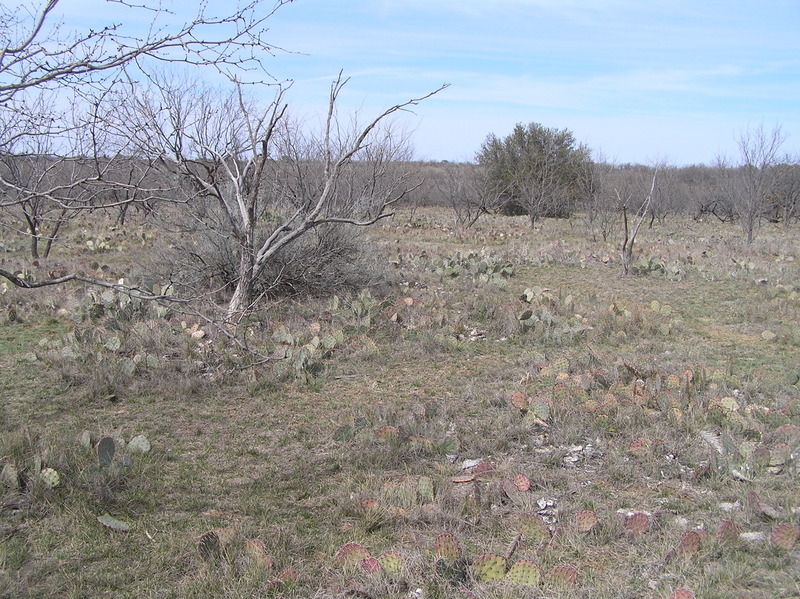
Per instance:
(643,82)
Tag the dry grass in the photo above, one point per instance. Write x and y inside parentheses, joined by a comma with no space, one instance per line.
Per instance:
(368,446)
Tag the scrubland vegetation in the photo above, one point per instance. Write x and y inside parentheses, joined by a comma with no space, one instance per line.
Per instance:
(505,415)
(243,357)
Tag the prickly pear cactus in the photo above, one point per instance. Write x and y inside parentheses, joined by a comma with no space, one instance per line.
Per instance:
(425,489)
(585,521)
(449,563)
(139,445)
(393,563)
(563,576)
(50,478)
(489,567)
(257,554)
(448,547)
(351,555)
(533,528)
(105,451)
(785,536)
(524,572)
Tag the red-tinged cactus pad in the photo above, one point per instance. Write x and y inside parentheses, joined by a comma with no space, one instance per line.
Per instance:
(785,536)
(689,544)
(254,549)
(524,572)
(522,482)
(387,433)
(585,521)
(351,555)
(489,567)
(520,401)
(636,523)
(563,576)
(393,563)
(371,565)
(682,594)
(728,532)
(483,468)
(447,547)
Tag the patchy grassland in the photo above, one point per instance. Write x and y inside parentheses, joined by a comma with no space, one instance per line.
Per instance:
(596,436)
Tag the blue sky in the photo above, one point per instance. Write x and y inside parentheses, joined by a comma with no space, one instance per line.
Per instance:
(640,81)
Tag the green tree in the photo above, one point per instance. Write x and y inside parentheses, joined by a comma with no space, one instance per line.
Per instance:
(535,170)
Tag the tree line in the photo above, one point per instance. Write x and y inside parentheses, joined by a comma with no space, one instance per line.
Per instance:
(542,172)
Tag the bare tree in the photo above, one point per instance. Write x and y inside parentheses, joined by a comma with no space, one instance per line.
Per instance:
(468,191)
(245,173)
(632,229)
(212,157)
(37,52)
(753,182)
(54,158)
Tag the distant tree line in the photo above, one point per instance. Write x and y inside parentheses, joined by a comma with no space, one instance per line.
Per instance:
(544,173)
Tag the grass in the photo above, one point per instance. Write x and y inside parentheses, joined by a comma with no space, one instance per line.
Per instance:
(349,451)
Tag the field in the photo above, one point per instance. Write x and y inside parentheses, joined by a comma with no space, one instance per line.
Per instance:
(507,416)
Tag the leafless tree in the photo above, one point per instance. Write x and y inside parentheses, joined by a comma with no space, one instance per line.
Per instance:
(753,182)
(468,192)
(247,175)
(55,163)
(212,155)
(632,229)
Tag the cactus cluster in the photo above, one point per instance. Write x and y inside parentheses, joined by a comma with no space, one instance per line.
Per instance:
(551,315)
(484,268)
(354,558)
(300,353)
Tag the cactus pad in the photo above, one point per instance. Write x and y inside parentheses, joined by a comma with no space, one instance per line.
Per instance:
(682,594)
(425,489)
(393,563)
(563,576)
(524,572)
(520,401)
(585,521)
(689,544)
(401,492)
(105,451)
(533,528)
(636,523)
(50,478)
(351,555)
(639,446)
(387,433)
(522,482)
(139,445)
(728,532)
(287,576)
(370,565)
(561,365)
(448,547)
(489,567)
(785,536)
(209,547)
(9,476)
